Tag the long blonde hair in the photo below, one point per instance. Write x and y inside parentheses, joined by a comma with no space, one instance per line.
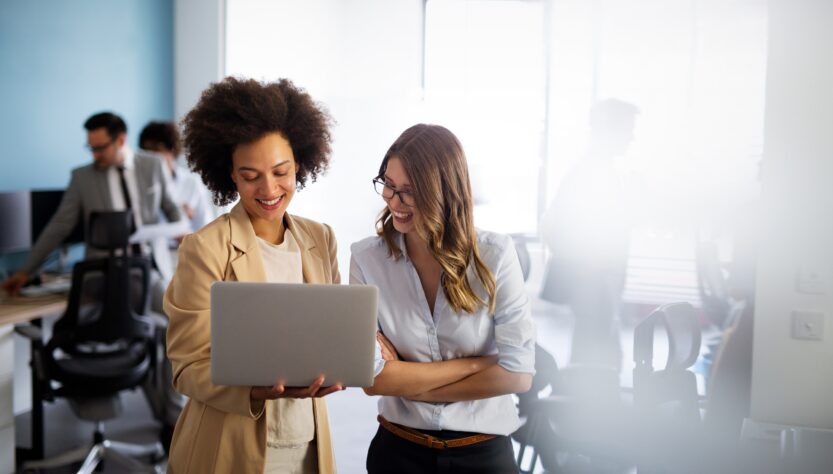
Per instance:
(435,163)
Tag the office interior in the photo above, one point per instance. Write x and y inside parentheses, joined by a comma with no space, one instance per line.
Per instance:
(730,157)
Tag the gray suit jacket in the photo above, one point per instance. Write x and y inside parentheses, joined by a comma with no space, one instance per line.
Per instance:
(89,191)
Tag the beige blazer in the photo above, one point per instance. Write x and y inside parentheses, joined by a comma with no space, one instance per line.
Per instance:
(217,430)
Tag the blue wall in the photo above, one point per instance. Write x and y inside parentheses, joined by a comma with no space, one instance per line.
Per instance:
(63,60)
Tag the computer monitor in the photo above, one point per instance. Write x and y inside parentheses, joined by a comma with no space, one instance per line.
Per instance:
(44,204)
(15,219)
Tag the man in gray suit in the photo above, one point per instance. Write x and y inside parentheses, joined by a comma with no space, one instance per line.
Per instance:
(117,179)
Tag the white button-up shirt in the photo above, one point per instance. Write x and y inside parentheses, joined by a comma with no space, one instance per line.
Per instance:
(114,184)
(420,336)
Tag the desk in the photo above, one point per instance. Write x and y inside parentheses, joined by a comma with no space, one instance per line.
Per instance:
(14,311)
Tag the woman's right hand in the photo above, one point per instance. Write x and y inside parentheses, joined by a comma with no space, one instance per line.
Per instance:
(280,391)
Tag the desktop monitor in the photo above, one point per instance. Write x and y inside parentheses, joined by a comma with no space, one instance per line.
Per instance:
(15,218)
(44,204)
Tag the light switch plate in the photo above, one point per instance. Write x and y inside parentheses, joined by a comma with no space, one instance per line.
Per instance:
(808,325)
(812,280)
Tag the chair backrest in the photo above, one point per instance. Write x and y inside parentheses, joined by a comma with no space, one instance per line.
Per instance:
(108,296)
(672,387)
(546,375)
(679,320)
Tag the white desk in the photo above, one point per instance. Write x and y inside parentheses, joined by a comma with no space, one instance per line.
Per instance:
(14,311)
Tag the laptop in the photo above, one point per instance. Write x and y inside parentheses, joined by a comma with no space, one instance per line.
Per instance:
(262,333)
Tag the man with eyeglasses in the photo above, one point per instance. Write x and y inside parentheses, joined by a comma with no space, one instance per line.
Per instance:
(117,179)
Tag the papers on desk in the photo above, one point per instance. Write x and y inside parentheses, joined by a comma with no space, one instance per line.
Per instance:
(47,288)
(168,230)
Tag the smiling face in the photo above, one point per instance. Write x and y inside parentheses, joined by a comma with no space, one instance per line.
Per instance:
(396,179)
(264,174)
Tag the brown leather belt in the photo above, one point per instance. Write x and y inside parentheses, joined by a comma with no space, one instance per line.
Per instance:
(429,441)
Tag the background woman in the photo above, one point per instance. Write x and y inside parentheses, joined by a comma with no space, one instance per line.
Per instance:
(457,335)
(258,142)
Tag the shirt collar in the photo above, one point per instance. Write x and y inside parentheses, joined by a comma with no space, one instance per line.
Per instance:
(129,160)
(401,241)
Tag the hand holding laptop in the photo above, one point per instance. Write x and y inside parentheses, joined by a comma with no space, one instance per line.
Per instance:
(280,391)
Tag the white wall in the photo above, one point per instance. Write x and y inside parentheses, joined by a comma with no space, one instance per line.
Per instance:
(792,380)
(361,59)
(199,50)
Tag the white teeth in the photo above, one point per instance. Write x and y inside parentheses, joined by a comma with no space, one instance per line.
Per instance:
(401,215)
(270,203)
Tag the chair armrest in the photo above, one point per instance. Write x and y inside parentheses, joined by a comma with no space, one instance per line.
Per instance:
(33,333)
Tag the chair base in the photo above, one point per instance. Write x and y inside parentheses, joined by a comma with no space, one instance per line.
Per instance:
(122,453)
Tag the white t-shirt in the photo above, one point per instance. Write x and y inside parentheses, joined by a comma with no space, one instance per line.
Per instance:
(290,421)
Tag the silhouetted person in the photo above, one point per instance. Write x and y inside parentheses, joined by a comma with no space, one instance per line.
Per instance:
(587,230)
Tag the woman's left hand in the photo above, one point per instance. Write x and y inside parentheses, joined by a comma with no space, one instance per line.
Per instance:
(388,351)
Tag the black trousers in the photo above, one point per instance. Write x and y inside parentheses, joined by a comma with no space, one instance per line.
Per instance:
(389,453)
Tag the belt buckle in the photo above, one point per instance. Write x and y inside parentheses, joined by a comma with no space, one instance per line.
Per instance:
(437,443)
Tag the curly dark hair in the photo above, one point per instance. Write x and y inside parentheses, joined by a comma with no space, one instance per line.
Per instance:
(236,111)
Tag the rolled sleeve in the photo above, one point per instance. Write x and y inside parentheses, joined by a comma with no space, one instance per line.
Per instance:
(514,327)
(378,361)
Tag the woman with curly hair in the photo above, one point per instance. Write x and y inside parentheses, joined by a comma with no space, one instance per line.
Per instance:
(259,142)
(457,337)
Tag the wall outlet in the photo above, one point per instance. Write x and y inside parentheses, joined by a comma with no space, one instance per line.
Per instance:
(812,280)
(808,325)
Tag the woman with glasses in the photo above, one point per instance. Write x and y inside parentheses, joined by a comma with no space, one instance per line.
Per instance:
(456,334)
(259,143)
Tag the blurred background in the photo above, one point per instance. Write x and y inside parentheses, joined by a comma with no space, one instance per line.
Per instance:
(640,152)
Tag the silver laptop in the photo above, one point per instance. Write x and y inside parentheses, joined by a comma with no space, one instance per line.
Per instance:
(262,333)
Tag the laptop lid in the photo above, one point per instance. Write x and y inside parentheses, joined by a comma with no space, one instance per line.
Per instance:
(262,333)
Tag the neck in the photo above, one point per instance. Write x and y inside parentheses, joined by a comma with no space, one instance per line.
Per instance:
(417,247)
(270,231)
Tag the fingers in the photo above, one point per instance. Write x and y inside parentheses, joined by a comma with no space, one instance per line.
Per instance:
(388,351)
(313,389)
(316,390)
(331,389)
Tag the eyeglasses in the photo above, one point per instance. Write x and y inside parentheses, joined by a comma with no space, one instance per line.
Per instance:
(99,148)
(388,192)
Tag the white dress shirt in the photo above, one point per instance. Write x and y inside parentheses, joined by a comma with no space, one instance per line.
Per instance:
(188,188)
(420,336)
(114,183)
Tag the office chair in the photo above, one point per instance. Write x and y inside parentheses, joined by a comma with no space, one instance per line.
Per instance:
(536,433)
(588,423)
(103,344)
(573,411)
(666,399)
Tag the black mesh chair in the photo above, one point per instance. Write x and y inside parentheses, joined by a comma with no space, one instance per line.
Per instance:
(674,382)
(588,423)
(102,345)
(572,418)
(666,398)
